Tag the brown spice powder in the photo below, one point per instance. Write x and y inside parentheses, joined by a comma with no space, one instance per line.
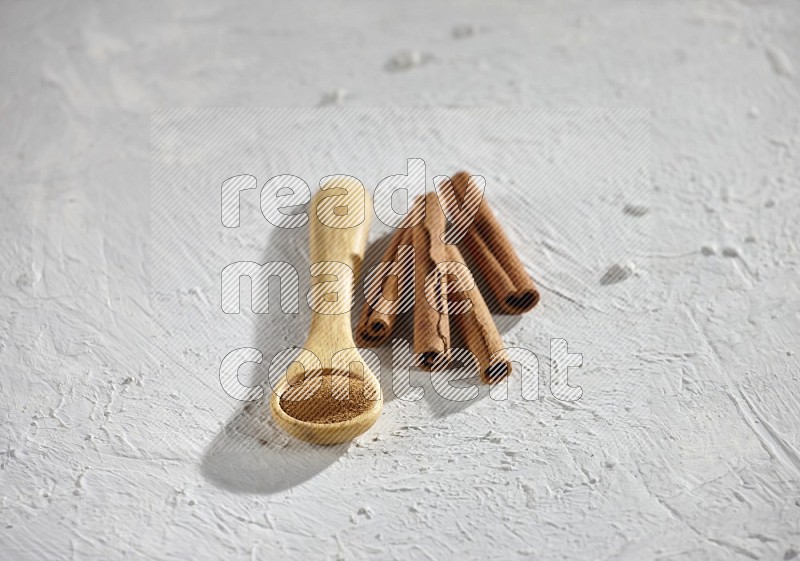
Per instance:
(322,405)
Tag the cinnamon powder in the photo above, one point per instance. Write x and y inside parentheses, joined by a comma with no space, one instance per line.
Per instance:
(326,398)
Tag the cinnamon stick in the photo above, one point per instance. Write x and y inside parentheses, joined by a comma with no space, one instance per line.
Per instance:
(374,326)
(431,322)
(479,331)
(490,249)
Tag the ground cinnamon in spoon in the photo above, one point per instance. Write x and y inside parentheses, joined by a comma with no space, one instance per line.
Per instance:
(322,406)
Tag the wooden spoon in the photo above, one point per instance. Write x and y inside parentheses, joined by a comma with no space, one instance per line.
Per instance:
(339,224)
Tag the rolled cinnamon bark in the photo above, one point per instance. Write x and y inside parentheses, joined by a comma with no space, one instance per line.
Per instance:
(375,327)
(431,322)
(491,251)
(479,331)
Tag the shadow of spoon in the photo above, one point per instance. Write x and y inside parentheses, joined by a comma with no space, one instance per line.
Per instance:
(252,455)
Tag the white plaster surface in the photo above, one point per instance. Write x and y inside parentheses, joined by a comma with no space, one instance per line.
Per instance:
(117,439)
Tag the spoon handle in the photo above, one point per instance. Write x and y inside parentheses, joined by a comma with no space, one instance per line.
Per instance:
(339,221)
(339,224)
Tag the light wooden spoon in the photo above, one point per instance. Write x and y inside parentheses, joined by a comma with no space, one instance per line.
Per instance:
(339,224)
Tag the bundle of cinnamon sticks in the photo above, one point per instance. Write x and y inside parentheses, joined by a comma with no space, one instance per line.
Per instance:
(446,299)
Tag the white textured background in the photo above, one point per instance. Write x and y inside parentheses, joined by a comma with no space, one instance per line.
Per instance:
(114,445)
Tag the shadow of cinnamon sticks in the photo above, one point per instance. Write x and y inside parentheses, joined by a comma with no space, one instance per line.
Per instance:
(446,401)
